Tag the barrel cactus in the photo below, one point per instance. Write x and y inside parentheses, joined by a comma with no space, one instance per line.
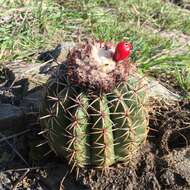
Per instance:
(94,112)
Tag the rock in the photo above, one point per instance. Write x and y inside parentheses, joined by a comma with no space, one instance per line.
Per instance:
(37,74)
(32,101)
(10,117)
(157,90)
(24,75)
(58,54)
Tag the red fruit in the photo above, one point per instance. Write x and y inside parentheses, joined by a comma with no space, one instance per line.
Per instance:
(122,51)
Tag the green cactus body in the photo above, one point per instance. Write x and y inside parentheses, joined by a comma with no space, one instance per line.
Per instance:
(130,119)
(102,133)
(95,127)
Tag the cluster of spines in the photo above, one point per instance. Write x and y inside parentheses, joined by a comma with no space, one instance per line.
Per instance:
(101,133)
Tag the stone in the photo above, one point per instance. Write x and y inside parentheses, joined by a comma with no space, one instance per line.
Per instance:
(10,117)
(158,91)
(32,101)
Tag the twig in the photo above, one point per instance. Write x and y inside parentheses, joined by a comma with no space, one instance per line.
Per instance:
(19,155)
(34,168)
(61,187)
(15,135)
(3,84)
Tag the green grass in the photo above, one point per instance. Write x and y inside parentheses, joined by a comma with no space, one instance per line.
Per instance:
(30,27)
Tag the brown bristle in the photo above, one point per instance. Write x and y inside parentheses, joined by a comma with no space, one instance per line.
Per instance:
(90,65)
